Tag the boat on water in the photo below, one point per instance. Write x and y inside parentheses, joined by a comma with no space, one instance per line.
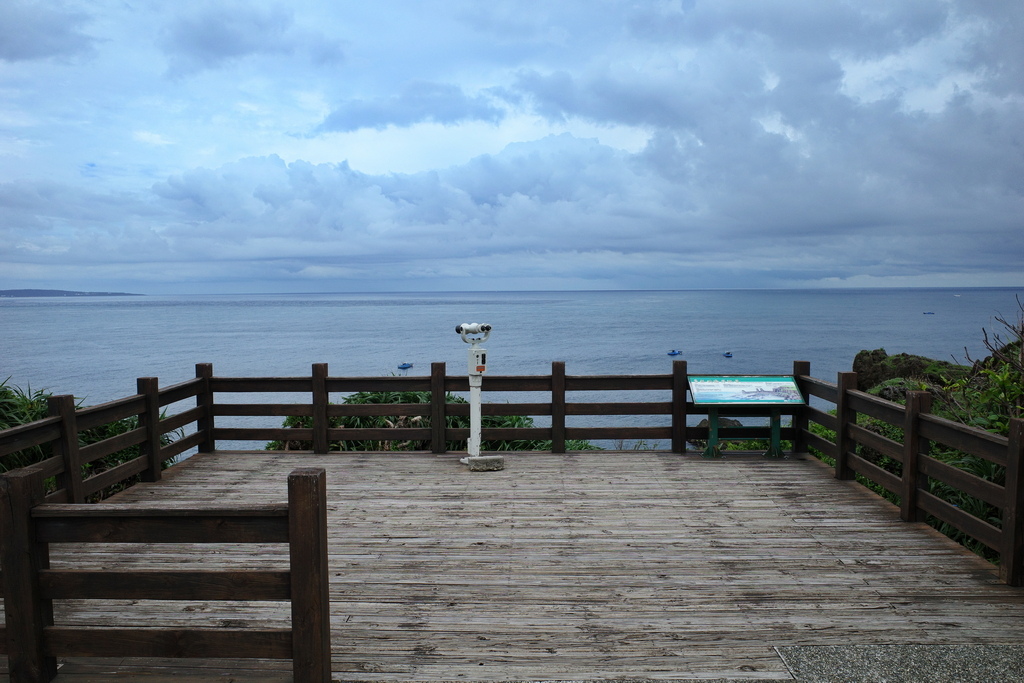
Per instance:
(727,354)
(674,352)
(405,366)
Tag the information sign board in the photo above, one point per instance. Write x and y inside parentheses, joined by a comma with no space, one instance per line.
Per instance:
(737,390)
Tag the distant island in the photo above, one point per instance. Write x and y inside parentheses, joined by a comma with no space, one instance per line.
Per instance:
(28,293)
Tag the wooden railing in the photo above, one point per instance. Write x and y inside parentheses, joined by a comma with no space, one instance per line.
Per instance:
(559,410)
(204,422)
(912,487)
(30,528)
(59,433)
(208,420)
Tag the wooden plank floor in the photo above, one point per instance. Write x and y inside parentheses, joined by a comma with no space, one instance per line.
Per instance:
(594,566)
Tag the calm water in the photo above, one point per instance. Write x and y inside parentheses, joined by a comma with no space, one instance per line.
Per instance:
(96,347)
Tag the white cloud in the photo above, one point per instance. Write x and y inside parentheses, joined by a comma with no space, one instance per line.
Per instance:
(773,123)
(267,145)
(151,138)
(923,75)
(42,249)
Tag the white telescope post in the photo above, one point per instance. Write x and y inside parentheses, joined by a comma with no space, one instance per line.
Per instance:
(476,367)
(475,428)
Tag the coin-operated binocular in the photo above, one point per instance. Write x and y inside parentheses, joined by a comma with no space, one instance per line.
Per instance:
(477,360)
(475,334)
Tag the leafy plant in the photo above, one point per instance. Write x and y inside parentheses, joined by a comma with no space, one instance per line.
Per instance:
(993,393)
(987,399)
(405,421)
(18,407)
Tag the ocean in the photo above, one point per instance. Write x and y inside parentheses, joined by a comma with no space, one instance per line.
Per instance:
(95,347)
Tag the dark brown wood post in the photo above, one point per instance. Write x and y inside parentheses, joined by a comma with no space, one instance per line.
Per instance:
(438,409)
(680,384)
(204,400)
(149,419)
(311,608)
(21,560)
(558,406)
(801,368)
(846,382)
(320,420)
(913,445)
(1011,559)
(67,447)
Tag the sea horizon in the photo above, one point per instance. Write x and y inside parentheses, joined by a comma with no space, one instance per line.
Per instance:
(94,347)
(521,291)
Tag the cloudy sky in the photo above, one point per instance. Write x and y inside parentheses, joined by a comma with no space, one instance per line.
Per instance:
(297,146)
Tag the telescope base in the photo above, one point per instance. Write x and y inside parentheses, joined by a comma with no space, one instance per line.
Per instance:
(484,463)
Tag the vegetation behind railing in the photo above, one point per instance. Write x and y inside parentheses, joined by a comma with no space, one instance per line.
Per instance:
(89,453)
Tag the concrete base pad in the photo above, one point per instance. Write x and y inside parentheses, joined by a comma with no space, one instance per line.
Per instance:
(484,463)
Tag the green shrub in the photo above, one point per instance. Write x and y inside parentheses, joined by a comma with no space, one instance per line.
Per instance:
(416,421)
(18,407)
(988,399)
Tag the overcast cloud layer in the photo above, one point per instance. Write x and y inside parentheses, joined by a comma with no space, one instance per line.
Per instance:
(212,146)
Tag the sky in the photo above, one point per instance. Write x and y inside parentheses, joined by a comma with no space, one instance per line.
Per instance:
(211,146)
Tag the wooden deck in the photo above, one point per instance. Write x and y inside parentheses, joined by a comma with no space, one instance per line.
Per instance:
(569,567)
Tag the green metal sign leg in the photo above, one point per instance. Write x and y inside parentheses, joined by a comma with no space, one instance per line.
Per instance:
(775,449)
(712,451)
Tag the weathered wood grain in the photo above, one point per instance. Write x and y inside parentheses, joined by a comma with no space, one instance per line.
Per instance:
(310,585)
(601,565)
(222,642)
(580,566)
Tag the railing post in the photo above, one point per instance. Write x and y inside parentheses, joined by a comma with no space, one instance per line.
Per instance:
(320,420)
(1011,559)
(680,384)
(801,368)
(67,447)
(204,400)
(913,445)
(558,406)
(438,409)
(311,608)
(845,383)
(21,560)
(149,419)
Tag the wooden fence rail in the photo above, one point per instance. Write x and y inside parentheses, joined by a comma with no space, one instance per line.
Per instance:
(673,411)
(828,425)
(919,472)
(30,528)
(68,461)
(74,481)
